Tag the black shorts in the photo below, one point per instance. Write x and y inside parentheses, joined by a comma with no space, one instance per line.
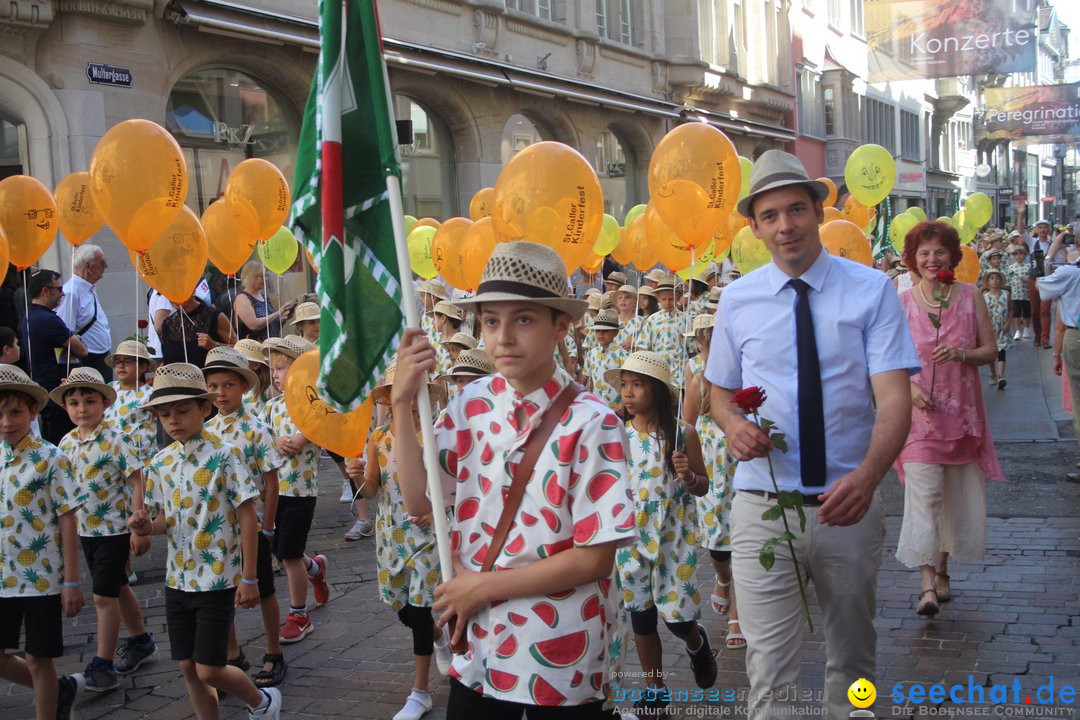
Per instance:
(335,457)
(107,558)
(41,614)
(465,702)
(199,624)
(294,516)
(1021,308)
(264,568)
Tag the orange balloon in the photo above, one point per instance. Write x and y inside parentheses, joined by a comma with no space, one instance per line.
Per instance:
(549,194)
(311,260)
(79,216)
(831,214)
(139,180)
(845,239)
(593,264)
(228,246)
(476,248)
(342,433)
(855,212)
(694,181)
(175,264)
(723,238)
(426,222)
(259,197)
(830,200)
(967,270)
(481,204)
(669,247)
(446,250)
(637,241)
(28,217)
(4,258)
(623,253)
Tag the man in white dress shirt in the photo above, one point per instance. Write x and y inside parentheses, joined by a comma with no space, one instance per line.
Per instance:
(82,311)
(827,340)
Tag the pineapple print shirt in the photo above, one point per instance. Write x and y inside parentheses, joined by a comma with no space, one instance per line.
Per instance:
(597,361)
(662,334)
(298,475)
(102,464)
(37,486)
(198,485)
(135,422)
(253,437)
(551,649)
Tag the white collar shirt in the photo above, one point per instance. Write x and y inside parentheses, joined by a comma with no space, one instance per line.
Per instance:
(77,309)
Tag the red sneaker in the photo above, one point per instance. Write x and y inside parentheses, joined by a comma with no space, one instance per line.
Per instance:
(296,628)
(319,588)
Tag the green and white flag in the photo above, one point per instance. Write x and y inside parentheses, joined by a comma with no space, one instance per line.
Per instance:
(342,211)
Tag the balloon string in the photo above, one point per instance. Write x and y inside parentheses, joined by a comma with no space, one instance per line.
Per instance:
(232,304)
(26,306)
(281,323)
(689,326)
(71,315)
(183,331)
(637,316)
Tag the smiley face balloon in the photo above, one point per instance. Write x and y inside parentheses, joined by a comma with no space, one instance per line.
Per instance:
(870,173)
(862,693)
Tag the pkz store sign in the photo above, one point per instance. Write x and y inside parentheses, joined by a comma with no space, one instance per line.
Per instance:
(233,135)
(101,74)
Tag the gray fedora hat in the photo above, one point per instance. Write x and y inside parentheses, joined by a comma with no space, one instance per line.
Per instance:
(776,169)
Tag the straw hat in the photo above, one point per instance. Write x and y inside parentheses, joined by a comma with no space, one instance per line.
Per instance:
(130,348)
(606,320)
(665,282)
(593,291)
(83,377)
(646,290)
(178,381)
(594,301)
(994,271)
(607,300)
(700,322)
(655,274)
(292,345)
(381,393)
(13,378)
(643,362)
(444,308)
(703,276)
(616,277)
(526,272)
(231,359)
(629,289)
(472,363)
(432,287)
(306,311)
(773,170)
(252,350)
(714,298)
(463,339)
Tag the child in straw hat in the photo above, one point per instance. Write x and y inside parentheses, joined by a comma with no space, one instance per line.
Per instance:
(306,321)
(541,630)
(130,362)
(258,362)
(662,332)
(656,573)
(470,365)
(431,292)
(227,375)
(39,565)
(604,355)
(626,306)
(111,473)
(404,552)
(200,494)
(448,319)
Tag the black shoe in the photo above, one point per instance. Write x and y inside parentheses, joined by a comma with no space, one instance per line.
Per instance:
(240,661)
(703,663)
(68,689)
(100,676)
(275,675)
(132,655)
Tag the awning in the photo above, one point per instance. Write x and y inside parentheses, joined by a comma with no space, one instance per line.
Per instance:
(221,17)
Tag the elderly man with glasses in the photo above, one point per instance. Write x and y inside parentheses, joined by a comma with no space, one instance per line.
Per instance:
(82,311)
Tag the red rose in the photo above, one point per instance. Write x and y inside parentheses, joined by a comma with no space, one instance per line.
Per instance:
(946,277)
(749,399)
(142,324)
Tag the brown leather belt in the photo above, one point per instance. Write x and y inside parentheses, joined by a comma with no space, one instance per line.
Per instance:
(808,500)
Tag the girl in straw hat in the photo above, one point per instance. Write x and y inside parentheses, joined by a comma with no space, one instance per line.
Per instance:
(306,320)
(626,305)
(404,552)
(258,362)
(130,363)
(714,508)
(656,573)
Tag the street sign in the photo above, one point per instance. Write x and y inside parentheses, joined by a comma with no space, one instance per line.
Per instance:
(101,74)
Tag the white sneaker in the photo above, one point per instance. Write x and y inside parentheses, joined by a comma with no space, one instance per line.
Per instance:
(346,492)
(417,705)
(272,711)
(443,657)
(1017,335)
(1027,334)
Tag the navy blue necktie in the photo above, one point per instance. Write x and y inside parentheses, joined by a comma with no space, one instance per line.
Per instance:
(811,407)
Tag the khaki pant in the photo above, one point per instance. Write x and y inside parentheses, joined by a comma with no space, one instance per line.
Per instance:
(1070,353)
(842,564)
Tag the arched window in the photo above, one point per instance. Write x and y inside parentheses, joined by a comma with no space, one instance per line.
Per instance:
(617,171)
(10,155)
(427,163)
(519,133)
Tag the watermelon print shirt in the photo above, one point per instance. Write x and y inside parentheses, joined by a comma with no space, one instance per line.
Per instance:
(556,649)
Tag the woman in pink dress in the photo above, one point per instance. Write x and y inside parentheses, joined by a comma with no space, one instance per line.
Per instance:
(949,454)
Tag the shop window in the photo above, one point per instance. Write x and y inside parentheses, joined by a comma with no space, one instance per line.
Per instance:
(427,163)
(519,133)
(11,154)
(617,171)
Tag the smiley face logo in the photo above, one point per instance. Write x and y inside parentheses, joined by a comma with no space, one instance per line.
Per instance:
(862,693)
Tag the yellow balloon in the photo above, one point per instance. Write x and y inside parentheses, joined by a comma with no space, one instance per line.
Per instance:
(420,259)
(701,262)
(746,166)
(633,213)
(175,264)
(481,204)
(964,227)
(139,180)
(227,246)
(28,217)
(79,216)
(427,222)
(918,212)
(978,209)
(830,199)
(870,173)
(748,252)
(279,252)
(342,433)
(899,228)
(967,270)
(694,181)
(446,250)
(609,236)
(950,221)
(549,194)
(259,197)
(410,223)
(476,248)
(845,239)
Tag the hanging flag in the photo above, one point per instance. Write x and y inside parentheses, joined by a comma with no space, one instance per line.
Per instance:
(342,211)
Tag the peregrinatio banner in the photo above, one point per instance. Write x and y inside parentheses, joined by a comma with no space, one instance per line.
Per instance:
(911,39)
(1045,113)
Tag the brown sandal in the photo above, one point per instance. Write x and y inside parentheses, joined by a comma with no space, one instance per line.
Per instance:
(942,587)
(928,606)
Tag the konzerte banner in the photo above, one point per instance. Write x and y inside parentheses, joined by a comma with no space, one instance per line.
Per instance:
(1046,111)
(910,39)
